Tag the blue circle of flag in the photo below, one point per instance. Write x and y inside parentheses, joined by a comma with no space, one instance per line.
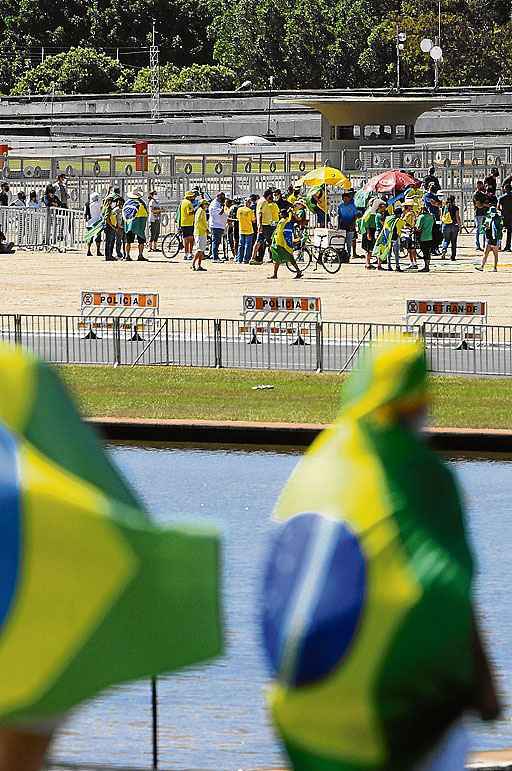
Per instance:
(313,596)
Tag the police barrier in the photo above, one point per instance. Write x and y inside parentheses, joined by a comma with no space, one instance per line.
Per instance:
(331,345)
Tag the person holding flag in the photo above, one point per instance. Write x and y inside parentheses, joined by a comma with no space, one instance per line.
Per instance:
(368,619)
(92,593)
(284,238)
(388,239)
(135,217)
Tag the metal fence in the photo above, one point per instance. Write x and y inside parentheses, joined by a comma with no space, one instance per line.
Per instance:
(329,346)
(53,228)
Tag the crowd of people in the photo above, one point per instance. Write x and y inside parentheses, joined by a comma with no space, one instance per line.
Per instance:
(391,228)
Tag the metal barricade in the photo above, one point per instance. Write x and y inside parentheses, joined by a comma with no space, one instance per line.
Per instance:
(332,346)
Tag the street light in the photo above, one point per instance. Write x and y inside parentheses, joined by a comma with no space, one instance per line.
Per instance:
(269,111)
(401,37)
(436,53)
(245,84)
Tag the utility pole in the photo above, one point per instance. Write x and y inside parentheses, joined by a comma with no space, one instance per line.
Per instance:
(438,44)
(155,76)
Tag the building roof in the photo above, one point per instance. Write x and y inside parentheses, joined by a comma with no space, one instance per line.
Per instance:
(363,110)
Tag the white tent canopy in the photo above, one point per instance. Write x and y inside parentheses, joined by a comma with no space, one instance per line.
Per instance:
(251,140)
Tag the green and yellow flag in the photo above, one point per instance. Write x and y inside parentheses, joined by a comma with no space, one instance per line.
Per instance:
(91,593)
(367,610)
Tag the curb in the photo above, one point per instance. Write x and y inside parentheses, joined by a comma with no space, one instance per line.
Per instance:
(280,434)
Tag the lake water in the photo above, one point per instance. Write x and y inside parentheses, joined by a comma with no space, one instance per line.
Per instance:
(213,717)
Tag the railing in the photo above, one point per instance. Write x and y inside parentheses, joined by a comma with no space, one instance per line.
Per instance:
(53,228)
(329,346)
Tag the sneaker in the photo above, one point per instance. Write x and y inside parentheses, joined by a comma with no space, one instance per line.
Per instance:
(478,267)
(370,267)
(142,259)
(128,259)
(203,270)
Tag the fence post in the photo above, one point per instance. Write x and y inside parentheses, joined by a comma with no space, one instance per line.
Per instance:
(116,329)
(67,339)
(154,722)
(319,346)
(17,329)
(48,225)
(217,340)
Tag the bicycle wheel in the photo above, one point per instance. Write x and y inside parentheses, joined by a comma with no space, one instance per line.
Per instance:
(171,245)
(330,260)
(303,258)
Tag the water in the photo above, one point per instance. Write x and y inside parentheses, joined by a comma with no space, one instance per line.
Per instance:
(213,717)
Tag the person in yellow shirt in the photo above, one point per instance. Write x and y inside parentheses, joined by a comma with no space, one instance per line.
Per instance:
(245,217)
(186,223)
(265,218)
(200,235)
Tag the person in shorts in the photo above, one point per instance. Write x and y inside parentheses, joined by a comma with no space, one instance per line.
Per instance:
(186,222)
(493,225)
(200,235)
(155,213)
(265,226)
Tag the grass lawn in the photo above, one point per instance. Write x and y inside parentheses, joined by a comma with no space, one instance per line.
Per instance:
(169,392)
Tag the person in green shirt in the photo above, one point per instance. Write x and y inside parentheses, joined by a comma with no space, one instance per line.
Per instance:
(493,228)
(424,232)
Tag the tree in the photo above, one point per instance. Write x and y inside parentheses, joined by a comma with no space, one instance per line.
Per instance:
(80,71)
(142,82)
(205,77)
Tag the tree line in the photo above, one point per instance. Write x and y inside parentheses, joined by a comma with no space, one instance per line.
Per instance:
(206,45)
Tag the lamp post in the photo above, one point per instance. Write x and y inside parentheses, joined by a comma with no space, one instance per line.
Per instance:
(436,53)
(401,37)
(270,86)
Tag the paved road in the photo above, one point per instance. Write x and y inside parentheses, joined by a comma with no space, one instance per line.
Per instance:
(200,350)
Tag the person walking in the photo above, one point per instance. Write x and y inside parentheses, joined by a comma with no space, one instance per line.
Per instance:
(200,235)
(185,222)
(433,203)
(62,191)
(451,222)
(94,223)
(218,220)
(135,217)
(481,205)
(493,226)
(347,215)
(155,213)
(246,218)
(282,241)
(505,205)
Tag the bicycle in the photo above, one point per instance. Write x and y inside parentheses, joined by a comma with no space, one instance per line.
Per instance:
(306,252)
(172,244)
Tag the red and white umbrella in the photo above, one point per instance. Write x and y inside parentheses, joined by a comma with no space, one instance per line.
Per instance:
(392,181)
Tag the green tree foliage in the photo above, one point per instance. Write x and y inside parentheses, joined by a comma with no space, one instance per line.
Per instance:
(204,77)
(80,71)
(141,84)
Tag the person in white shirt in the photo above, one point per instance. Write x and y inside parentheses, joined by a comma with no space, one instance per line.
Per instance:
(217,223)
(20,200)
(155,212)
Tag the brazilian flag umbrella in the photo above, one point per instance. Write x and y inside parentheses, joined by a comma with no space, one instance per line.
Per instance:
(91,592)
(367,611)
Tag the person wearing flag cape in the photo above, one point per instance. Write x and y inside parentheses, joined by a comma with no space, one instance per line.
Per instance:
(135,217)
(368,620)
(92,593)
